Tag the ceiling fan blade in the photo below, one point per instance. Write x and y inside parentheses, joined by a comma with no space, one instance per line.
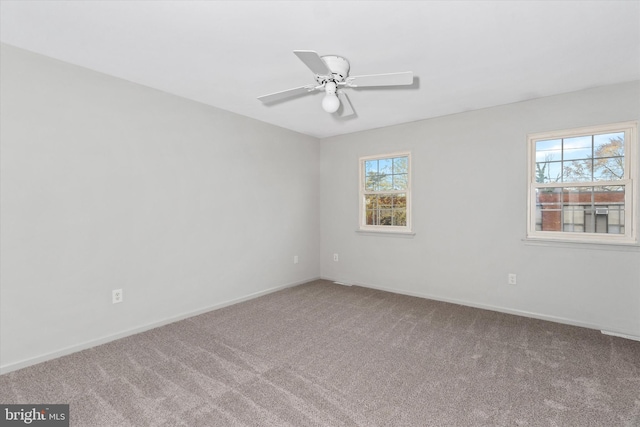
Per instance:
(347,109)
(277,96)
(391,79)
(313,61)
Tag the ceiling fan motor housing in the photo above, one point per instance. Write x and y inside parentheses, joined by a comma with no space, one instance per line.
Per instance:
(339,67)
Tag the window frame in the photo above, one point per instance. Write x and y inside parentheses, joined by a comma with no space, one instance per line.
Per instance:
(629,181)
(362,222)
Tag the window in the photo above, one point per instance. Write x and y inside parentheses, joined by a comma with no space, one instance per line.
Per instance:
(581,184)
(385,193)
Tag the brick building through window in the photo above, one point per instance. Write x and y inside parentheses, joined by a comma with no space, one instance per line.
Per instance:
(580,210)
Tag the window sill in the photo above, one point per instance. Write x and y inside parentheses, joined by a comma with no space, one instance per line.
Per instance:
(390,233)
(587,244)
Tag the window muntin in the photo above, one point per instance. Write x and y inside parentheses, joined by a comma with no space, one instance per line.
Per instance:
(385,192)
(581,184)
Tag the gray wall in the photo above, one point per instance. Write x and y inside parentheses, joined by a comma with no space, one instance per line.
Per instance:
(469,216)
(106,184)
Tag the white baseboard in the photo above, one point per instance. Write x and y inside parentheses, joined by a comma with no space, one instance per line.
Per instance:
(342,283)
(617,334)
(506,310)
(103,340)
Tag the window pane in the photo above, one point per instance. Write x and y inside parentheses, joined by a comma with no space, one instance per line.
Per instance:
(375,182)
(577,148)
(548,172)
(616,217)
(370,166)
(400,165)
(385,216)
(567,215)
(400,210)
(573,217)
(578,215)
(385,166)
(550,219)
(400,201)
(400,182)
(399,217)
(608,169)
(549,208)
(385,201)
(385,182)
(549,150)
(609,145)
(577,171)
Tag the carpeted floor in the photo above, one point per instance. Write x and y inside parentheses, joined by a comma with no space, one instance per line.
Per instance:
(322,354)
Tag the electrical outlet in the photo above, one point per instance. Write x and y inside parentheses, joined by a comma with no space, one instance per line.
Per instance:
(512,278)
(116,296)
(335,257)
(295,259)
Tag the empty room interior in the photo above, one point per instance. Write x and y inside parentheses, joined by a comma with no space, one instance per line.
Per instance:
(320,213)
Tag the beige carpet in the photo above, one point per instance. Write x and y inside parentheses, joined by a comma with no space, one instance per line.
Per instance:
(322,354)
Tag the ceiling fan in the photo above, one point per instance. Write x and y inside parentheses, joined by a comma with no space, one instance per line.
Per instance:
(331,75)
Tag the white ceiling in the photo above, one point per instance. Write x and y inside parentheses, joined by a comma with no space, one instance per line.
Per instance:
(464,55)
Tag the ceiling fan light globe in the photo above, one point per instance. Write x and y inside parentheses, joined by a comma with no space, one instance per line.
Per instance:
(330,103)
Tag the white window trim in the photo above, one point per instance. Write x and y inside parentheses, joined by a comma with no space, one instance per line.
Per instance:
(389,229)
(630,182)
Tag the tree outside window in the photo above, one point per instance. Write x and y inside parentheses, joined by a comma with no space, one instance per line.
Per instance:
(384,191)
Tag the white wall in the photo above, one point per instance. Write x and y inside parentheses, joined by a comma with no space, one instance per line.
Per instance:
(107,184)
(469,213)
